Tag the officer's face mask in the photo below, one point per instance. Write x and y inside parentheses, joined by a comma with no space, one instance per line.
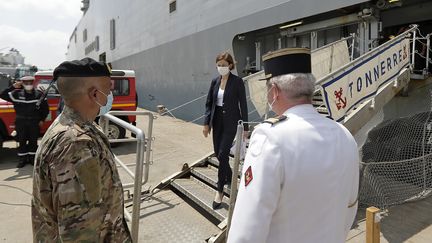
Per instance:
(28,87)
(270,104)
(107,107)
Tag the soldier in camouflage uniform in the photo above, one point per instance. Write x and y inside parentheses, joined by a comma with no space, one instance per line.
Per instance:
(77,192)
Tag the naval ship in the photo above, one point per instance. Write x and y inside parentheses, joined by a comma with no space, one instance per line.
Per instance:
(172,44)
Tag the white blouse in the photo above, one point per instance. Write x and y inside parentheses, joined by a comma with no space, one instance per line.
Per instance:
(220,95)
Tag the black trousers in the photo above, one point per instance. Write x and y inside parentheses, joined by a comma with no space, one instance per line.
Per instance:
(27,135)
(222,142)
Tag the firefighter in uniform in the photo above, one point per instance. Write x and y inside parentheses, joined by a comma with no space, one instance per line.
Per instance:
(77,192)
(300,176)
(29,118)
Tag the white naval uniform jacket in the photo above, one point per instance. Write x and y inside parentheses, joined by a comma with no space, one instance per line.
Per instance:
(305,173)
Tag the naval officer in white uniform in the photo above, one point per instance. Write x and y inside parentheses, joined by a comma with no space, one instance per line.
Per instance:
(301,172)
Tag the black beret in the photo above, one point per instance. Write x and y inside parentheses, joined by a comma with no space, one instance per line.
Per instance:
(86,67)
(286,61)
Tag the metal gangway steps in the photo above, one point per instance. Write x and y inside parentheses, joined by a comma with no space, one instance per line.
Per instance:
(179,209)
(200,186)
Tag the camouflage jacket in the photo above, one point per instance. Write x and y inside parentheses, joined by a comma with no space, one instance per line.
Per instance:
(77,192)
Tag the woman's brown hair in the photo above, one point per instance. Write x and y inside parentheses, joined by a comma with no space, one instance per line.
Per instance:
(226,57)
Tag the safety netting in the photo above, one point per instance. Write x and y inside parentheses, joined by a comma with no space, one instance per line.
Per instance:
(396,162)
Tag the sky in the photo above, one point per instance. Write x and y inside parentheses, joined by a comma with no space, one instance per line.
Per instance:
(38,29)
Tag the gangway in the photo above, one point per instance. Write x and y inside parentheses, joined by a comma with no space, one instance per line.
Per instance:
(179,208)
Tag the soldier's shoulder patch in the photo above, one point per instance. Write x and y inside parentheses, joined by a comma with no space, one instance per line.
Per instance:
(89,174)
(275,120)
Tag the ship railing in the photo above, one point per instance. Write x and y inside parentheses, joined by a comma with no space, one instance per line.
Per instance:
(424,40)
(351,42)
(142,163)
(355,117)
(331,55)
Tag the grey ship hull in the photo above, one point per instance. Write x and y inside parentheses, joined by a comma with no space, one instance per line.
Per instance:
(176,68)
(180,70)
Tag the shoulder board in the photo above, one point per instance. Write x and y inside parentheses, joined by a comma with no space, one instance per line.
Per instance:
(275,120)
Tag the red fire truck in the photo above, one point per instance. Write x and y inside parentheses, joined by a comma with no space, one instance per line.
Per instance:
(122,86)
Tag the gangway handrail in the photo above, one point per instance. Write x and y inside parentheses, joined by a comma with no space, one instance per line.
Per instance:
(235,174)
(367,54)
(246,78)
(428,49)
(147,142)
(142,145)
(234,189)
(332,43)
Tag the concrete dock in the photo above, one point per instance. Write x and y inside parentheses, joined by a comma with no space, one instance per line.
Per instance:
(177,142)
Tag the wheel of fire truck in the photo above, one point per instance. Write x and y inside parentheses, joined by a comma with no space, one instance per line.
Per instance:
(115,131)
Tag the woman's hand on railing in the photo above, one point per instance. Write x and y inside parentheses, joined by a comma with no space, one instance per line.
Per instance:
(206,130)
(245,135)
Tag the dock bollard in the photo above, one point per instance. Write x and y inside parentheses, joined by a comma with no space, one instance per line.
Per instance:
(373,219)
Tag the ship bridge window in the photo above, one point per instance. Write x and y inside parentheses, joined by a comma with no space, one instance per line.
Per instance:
(102,57)
(97,43)
(172,6)
(85,35)
(112,34)
(120,87)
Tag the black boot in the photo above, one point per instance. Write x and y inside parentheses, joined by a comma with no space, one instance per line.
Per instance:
(216,205)
(30,159)
(22,163)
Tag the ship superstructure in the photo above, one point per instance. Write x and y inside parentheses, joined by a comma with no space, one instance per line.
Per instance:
(172,44)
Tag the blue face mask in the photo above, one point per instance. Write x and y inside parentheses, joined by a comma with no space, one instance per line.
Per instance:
(107,107)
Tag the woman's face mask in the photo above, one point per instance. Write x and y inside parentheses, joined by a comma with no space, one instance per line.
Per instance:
(223,70)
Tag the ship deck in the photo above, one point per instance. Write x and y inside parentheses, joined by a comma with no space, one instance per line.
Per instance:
(165,216)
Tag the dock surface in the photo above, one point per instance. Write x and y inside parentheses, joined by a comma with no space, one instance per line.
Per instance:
(178,142)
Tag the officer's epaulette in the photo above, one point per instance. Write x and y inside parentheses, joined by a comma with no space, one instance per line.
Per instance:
(275,120)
